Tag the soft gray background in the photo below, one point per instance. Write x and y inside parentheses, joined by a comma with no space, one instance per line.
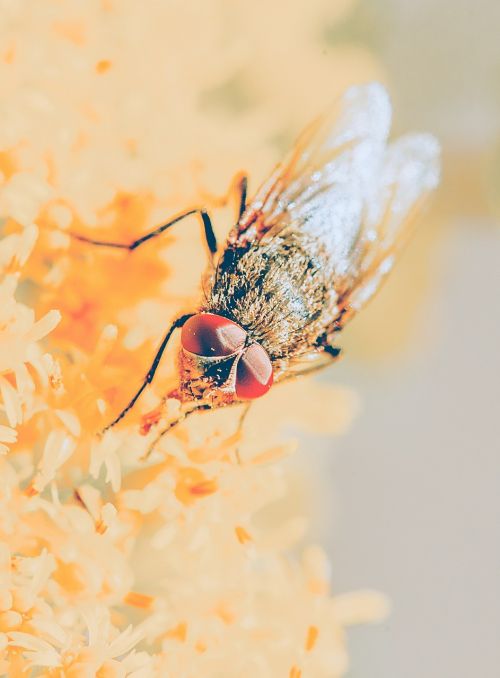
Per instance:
(415,500)
(413,487)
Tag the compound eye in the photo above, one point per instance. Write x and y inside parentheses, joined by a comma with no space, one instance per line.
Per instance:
(254,373)
(212,336)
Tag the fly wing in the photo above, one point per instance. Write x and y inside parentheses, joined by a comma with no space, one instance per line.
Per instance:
(410,170)
(348,192)
(319,188)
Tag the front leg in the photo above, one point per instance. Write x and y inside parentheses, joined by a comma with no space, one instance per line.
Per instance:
(152,370)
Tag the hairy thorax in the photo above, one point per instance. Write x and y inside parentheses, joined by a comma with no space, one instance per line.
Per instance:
(276,290)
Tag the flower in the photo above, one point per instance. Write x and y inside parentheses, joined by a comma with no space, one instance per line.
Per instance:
(111,563)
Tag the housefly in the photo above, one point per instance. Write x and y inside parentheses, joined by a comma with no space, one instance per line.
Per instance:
(305,255)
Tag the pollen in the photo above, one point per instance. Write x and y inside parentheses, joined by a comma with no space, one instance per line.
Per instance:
(242,535)
(312,637)
(139,600)
(9,55)
(193,485)
(103,65)
(100,527)
(31,490)
(178,632)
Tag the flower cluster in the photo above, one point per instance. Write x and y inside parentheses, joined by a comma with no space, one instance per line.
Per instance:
(112,564)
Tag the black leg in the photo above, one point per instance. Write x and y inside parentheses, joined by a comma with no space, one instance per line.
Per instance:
(239,183)
(243,187)
(208,230)
(334,351)
(152,370)
(238,191)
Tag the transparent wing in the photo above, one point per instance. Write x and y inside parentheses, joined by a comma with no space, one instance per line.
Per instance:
(349,193)
(307,363)
(320,187)
(410,170)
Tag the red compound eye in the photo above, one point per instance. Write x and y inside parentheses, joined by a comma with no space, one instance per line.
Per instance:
(212,336)
(254,373)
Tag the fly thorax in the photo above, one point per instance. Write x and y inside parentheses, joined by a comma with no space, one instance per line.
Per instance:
(277,291)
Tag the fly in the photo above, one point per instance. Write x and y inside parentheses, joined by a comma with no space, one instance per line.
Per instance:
(305,255)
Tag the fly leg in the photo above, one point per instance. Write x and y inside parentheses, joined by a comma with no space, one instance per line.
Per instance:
(243,416)
(239,184)
(333,351)
(208,231)
(184,415)
(152,370)
(239,188)
(172,425)
(239,430)
(242,186)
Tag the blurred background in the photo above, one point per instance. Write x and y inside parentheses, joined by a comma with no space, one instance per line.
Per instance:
(413,486)
(408,496)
